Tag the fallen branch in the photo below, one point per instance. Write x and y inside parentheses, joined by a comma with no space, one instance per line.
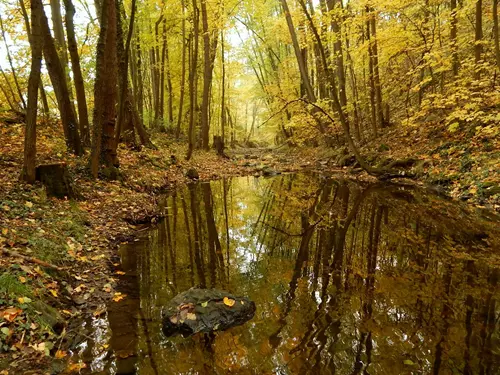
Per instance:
(42,263)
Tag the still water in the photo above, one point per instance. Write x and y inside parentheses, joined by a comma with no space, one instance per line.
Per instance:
(347,279)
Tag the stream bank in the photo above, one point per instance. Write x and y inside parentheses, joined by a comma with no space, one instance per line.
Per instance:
(40,305)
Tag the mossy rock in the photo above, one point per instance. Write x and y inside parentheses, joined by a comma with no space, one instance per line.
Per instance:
(192,174)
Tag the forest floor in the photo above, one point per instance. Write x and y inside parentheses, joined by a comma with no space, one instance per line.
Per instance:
(40,306)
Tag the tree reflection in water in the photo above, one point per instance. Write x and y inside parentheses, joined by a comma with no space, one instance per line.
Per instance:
(347,278)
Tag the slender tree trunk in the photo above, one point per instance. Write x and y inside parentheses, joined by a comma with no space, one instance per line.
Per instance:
(185,44)
(336,5)
(57,23)
(124,71)
(495,32)
(193,72)
(9,58)
(453,37)
(59,83)
(162,69)
(168,74)
(223,93)
(478,47)
(140,83)
(45,103)
(83,116)
(376,74)
(28,173)
(208,65)
(302,66)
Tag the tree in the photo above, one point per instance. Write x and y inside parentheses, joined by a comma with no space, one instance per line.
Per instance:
(59,83)
(83,116)
(36,41)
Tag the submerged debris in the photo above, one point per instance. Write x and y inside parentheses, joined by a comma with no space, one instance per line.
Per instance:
(205,310)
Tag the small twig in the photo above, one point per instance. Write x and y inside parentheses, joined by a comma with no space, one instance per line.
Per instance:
(30,259)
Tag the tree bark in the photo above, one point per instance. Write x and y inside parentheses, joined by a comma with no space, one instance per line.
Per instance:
(209,49)
(36,40)
(296,47)
(453,37)
(83,115)
(185,44)
(495,32)
(478,47)
(193,73)
(59,83)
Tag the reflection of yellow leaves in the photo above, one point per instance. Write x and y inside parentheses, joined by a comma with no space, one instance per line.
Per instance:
(229,302)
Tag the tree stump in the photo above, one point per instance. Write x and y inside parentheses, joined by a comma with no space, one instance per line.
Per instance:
(219,146)
(56,179)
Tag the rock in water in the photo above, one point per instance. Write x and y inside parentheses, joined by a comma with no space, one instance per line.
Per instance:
(205,310)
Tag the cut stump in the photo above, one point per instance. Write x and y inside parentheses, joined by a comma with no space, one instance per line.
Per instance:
(56,179)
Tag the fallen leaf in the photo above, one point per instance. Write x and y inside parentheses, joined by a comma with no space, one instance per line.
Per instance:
(22,279)
(118,297)
(74,367)
(120,273)
(229,302)
(204,304)
(191,316)
(53,292)
(28,204)
(60,354)
(11,313)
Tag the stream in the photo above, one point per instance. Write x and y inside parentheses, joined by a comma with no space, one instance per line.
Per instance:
(347,278)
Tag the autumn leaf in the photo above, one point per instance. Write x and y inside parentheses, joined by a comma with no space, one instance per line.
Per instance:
(120,273)
(229,302)
(191,316)
(118,297)
(28,204)
(11,313)
(22,279)
(204,304)
(53,292)
(74,367)
(60,354)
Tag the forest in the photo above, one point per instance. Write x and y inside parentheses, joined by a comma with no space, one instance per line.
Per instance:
(148,147)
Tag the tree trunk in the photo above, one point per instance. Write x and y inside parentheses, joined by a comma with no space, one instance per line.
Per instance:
(83,115)
(185,45)
(29,172)
(478,47)
(14,75)
(223,93)
(338,50)
(123,70)
(105,94)
(208,65)
(193,72)
(495,32)
(59,83)
(453,37)
(57,23)
(302,67)
(376,74)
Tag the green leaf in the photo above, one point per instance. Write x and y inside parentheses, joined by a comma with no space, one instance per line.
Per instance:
(5,331)
(409,362)
(204,304)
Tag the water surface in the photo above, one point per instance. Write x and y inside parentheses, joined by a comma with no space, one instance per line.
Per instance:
(347,279)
